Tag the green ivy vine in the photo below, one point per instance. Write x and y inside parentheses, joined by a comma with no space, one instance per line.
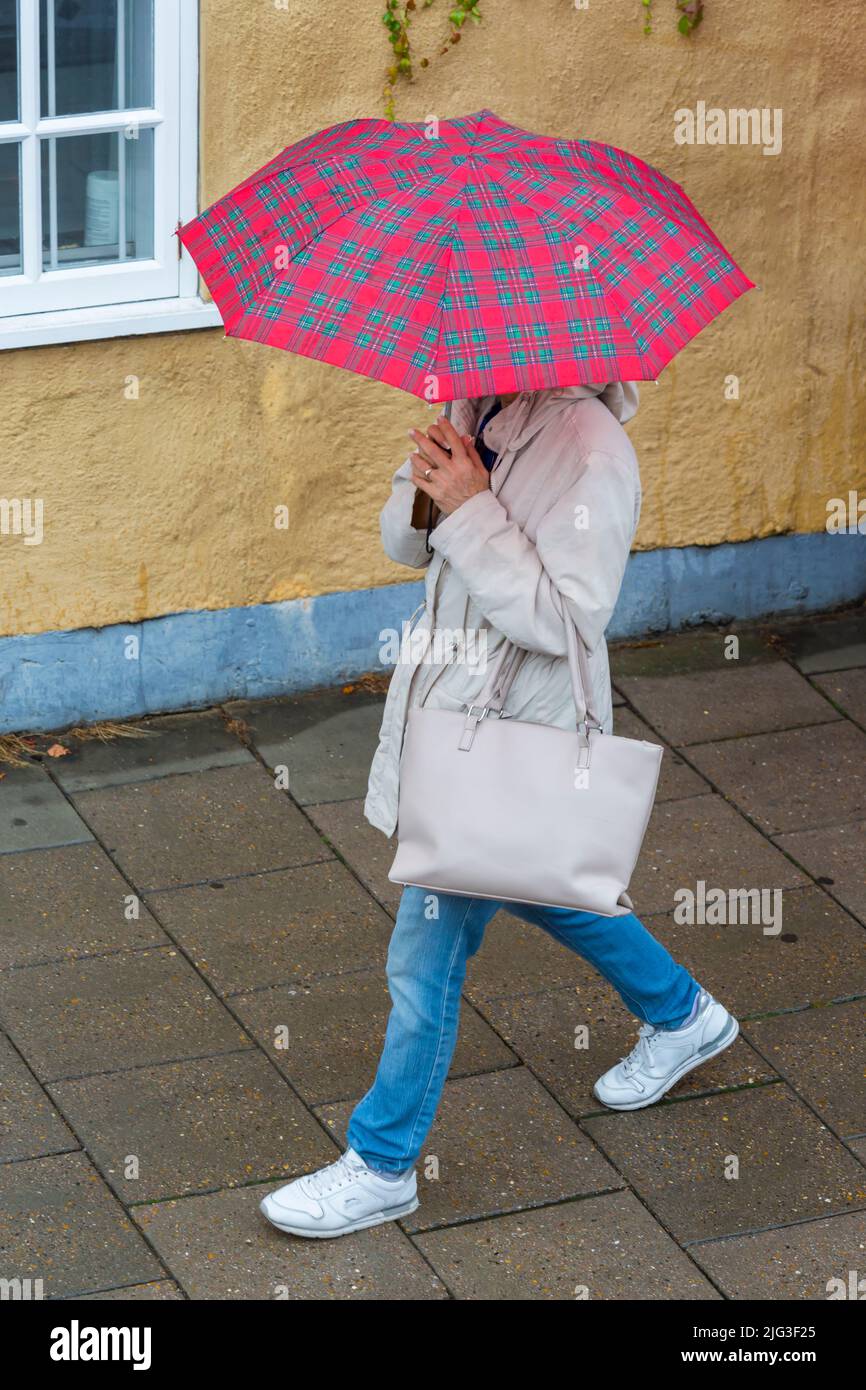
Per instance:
(397,20)
(691,12)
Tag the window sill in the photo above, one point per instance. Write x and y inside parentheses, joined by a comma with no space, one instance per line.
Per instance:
(109,321)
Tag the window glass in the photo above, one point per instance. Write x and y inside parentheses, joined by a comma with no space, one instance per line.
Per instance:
(97,198)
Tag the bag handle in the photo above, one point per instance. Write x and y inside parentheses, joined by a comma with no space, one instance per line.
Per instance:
(496,688)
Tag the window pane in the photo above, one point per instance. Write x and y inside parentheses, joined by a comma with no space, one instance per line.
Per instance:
(79,45)
(10,209)
(8,60)
(97,192)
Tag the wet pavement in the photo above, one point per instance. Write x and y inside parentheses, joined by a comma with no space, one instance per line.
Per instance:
(192,998)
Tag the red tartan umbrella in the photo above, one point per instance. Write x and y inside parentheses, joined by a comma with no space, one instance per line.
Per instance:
(464,258)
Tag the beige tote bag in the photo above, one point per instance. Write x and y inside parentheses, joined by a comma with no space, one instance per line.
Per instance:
(494,807)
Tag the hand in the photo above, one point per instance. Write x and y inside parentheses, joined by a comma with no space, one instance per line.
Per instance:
(453,478)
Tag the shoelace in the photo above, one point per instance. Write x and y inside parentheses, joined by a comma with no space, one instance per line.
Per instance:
(332,1178)
(642,1050)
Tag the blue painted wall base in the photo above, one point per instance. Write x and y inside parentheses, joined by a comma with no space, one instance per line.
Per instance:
(189,660)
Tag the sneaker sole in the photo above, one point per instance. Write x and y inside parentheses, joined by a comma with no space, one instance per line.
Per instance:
(728,1035)
(377,1219)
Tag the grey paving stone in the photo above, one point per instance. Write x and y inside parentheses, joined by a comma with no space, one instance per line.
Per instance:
(727,702)
(678,653)
(326,740)
(34,813)
(847,689)
(366,850)
(29,1123)
(193,1126)
(829,644)
(59,1223)
(165,745)
(542,1029)
(605,1247)
(69,901)
(676,1157)
(834,854)
(500,1143)
(520,958)
(793,780)
(268,929)
(819,956)
(676,778)
(703,838)
(822,1054)
(163,1291)
(334,1030)
(108,1013)
(221,1247)
(858,1147)
(204,825)
(795,1263)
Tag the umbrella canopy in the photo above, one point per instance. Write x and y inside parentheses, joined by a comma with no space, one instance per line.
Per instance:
(464,257)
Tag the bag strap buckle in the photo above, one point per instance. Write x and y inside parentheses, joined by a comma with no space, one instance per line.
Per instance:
(472,722)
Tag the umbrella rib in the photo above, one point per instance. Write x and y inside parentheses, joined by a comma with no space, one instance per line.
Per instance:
(450,253)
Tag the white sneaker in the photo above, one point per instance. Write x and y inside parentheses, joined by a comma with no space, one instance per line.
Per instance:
(343,1197)
(663,1055)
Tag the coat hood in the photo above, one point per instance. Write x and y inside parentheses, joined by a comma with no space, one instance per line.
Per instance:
(516,423)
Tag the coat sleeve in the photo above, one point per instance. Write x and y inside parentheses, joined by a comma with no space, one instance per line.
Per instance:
(578,557)
(402,542)
(399,537)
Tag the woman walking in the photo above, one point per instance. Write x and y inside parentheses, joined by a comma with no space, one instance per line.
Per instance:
(523,510)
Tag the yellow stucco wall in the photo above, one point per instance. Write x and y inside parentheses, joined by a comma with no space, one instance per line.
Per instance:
(166,503)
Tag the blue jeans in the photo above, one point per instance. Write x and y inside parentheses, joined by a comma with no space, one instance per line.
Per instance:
(426,968)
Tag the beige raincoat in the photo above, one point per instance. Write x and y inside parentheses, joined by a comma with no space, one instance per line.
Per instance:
(556,524)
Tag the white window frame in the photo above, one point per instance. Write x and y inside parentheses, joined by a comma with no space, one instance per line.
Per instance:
(127,297)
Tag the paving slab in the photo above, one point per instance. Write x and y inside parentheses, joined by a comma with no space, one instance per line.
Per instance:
(676,778)
(34,813)
(818,956)
(111,1013)
(809,1261)
(678,653)
(858,1147)
(727,702)
(325,739)
(543,1031)
(605,1247)
(201,826)
(162,1291)
(60,1223)
(68,901)
(193,1126)
(676,1157)
(365,849)
(278,928)
(847,689)
(157,747)
(327,1036)
(29,1122)
(793,780)
(822,1054)
(703,838)
(518,957)
(499,1143)
(834,854)
(221,1247)
(827,644)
